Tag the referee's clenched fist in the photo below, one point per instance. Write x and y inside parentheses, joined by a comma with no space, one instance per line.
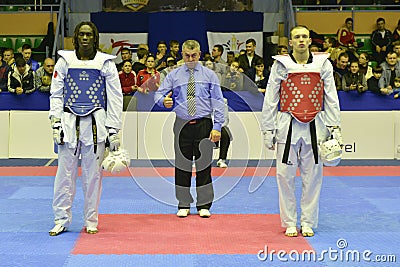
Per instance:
(168,101)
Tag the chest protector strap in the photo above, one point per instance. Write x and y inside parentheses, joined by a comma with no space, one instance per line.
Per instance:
(94,133)
(313,133)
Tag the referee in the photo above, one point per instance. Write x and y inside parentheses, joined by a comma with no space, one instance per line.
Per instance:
(194,93)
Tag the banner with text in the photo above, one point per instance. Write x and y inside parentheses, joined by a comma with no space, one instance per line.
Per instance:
(112,43)
(235,41)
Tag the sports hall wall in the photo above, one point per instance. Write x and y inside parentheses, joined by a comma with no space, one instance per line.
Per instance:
(25,24)
(329,22)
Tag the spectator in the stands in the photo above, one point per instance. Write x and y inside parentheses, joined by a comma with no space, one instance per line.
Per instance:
(140,46)
(363,61)
(174,47)
(206,56)
(340,69)
(282,50)
(43,76)
(230,57)
(127,78)
(220,64)
(390,70)
(396,32)
(4,70)
(343,3)
(148,79)
(381,40)
(396,49)
(21,78)
(161,56)
(329,44)
(354,80)
(346,36)
(396,88)
(171,64)
(145,46)
(126,54)
(346,39)
(46,45)
(8,56)
(248,60)
(140,64)
(389,4)
(314,48)
(216,54)
(212,66)
(373,82)
(259,75)
(232,79)
(226,138)
(27,55)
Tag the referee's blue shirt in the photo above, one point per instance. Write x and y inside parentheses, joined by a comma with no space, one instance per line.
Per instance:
(209,97)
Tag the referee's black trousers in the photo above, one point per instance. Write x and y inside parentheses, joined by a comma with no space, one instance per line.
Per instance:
(192,140)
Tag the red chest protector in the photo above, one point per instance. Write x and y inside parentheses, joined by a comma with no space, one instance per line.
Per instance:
(303,91)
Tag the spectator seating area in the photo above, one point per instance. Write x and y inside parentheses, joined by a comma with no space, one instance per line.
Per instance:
(25,6)
(16,42)
(367,45)
(345,4)
(13,8)
(238,101)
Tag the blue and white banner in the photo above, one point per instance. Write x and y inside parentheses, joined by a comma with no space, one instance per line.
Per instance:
(235,41)
(112,43)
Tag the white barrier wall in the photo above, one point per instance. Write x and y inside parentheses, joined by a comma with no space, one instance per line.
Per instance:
(155,135)
(366,134)
(4,133)
(396,118)
(30,135)
(129,133)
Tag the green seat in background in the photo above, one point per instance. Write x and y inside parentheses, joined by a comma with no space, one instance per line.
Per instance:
(37,42)
(10,8)
(6,42)
(19,42)
(367,45)
(372,64)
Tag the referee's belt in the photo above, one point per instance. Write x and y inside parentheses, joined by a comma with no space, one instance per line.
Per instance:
(194,121)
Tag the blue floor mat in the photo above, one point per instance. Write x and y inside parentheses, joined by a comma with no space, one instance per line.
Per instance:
(361,211)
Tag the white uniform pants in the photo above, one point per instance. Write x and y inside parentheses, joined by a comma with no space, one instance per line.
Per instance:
(300,156)
(65,183)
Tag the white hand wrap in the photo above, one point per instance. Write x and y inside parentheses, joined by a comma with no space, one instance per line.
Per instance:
(113,138)
(58,133)
(336,134)
(269,139)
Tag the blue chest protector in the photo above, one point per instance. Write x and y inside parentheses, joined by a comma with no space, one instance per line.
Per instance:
(84,91)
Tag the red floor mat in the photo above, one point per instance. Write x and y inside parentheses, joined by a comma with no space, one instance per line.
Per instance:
(228,172)
(168,234)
